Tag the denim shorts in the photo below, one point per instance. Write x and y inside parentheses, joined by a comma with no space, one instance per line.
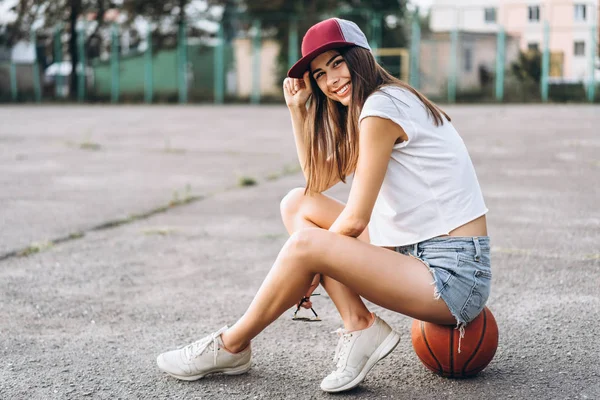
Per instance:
(461,271)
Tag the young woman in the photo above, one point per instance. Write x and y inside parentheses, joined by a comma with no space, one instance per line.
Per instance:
(412,237)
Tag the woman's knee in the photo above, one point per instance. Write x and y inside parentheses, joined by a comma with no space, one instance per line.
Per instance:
(303,245)
(291,203)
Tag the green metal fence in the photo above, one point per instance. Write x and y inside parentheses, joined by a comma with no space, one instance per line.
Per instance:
(448,66)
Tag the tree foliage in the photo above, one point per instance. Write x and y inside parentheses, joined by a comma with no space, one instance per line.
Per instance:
(277,14)
(528,66)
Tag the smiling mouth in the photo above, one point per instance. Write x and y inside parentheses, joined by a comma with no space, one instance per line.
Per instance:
(343,90)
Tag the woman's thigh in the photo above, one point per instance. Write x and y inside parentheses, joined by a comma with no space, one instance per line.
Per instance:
(319,209)
(394,281)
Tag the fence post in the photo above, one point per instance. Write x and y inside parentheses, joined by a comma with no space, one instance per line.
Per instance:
(114,64)
(256,50)
(182,45)
(148,68)
(36,69)
(453,65)
(13,80)
(58,79)
(375,33)
(220,66)
(293,42)
(415,53)
(545,63)
(500,59)
(591,93)
(82,72)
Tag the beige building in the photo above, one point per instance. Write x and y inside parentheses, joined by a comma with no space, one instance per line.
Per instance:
(244,61)
(570,23)
(475,61)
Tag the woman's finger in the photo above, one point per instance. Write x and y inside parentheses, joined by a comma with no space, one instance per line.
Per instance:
(307,304)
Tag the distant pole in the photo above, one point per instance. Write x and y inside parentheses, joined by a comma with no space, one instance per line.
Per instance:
(415,51)
(148,69)
(545,63)
(13,80)
(375,33)
(82,72)
(58,79)
(36,69)
(114,64)
(220,66)
(293,42)
(453,65)
(592,84)
(256,50)
(182,45)
(500,54)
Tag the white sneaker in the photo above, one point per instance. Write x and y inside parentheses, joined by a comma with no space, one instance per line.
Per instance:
(206,356)
(357,352)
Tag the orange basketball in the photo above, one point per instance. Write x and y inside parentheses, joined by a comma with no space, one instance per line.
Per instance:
(437,346)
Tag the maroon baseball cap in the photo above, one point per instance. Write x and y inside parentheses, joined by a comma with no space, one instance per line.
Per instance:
(332,33)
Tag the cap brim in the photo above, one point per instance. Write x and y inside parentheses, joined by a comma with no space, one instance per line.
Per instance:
(298,69)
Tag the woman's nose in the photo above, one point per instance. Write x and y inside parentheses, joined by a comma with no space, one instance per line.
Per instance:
(333,80)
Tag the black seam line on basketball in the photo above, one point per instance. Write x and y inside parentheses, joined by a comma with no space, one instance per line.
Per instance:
(464,370)
(440,369)
(451,352)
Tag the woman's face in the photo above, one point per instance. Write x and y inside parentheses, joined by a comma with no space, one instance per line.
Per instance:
(332,75)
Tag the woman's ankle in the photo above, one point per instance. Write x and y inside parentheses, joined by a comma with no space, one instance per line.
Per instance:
(359,322)
(231,346)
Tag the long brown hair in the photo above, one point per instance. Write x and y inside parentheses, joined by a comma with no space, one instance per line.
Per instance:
(332,129)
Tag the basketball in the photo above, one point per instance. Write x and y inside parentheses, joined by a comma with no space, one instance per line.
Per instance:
(437,346)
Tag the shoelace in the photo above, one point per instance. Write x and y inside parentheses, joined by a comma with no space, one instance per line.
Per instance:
(196,349)
(340,350)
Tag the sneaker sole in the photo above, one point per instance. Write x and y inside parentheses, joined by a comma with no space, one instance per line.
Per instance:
(385,348)
(227,371)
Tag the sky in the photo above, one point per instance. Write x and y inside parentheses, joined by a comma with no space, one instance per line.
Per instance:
(423,4)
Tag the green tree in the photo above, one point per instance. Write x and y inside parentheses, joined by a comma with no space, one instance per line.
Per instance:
(46,15)
(277,14)
(528,66)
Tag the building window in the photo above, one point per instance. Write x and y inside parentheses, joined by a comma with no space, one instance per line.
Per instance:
(580,10)
(579,49)
(533,13)
(490,15)
(468,60)
(533,46)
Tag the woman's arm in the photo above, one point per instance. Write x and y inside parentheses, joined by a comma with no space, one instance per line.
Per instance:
(296,93)
(375,144)
(298,115)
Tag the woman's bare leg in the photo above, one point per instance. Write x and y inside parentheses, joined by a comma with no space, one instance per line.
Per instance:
(298,212)
(391,280)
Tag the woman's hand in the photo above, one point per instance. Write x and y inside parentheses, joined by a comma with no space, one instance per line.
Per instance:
(297,91)
(316,280)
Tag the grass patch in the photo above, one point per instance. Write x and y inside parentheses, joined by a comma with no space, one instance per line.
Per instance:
(158,231)
(245,181)
(34,248)
(90,146)
(291,169)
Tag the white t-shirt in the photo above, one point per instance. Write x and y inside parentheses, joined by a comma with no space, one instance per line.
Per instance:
(430,187)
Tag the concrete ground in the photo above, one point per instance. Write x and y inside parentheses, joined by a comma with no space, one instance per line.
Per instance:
(127,232)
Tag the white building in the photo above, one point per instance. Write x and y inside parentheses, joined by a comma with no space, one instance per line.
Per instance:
(570,22)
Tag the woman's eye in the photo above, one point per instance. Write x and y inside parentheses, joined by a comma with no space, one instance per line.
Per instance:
(336,63)
(320,74)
